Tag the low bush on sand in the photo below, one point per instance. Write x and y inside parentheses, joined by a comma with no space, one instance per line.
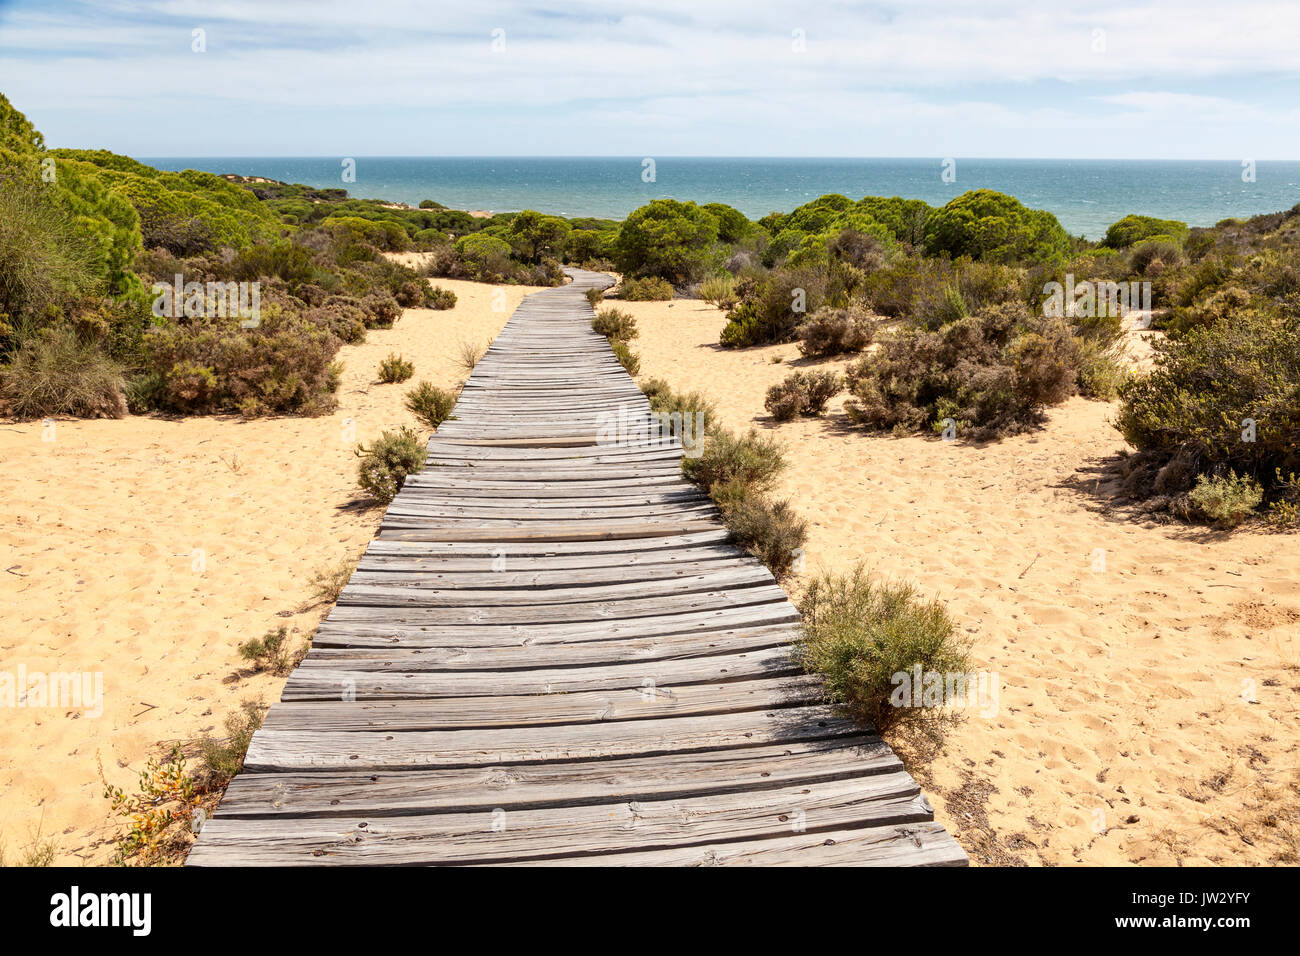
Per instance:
(430,404)
(665,400)
(649,289)
(835,332)
(802,393)
(386,463)
(56,373)
(990,374)
(1220,405)
(859,633)
(626,357)
(395,369)
(594,297)
(615,324)
(769,530)
(270,652)
(719,290)
(753,460)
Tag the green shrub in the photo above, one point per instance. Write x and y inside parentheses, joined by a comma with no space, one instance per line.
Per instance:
(665,400)
(649,289)
(270,652)
(626,357)
(802,393)
(430,404)
(991,374)
(535,236)
(1192,414)
(719,290)
(436,297)
(769,530)
(386,463)
(1228,500)
(773,307)
(615,324)
(1102,374)
(223,759)
(859,633)
(750,459)
(395,369)
(56,373)
(831,331)
(594,297)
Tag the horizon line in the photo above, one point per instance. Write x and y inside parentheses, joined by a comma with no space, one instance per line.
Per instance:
(661,156)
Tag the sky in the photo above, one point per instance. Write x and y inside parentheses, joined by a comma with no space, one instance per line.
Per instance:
(1191,80)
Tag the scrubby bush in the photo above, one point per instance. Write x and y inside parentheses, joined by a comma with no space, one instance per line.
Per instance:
(436,297)
(1227,500)
(594,297)
(1222,398)
(665,400)
(991,374)
(831,331)
(387,462)
(626,357)
(54,372)
(649,289)
(395,369)
(860,633)
(615,324)
(750,459)
(769,530)
(773,307)
(430,404)
(802,393)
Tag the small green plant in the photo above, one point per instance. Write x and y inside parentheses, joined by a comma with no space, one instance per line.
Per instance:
(665,400)
(802,393)
(1228,501)
(224,758)
(270,652)
(594,297)
(861,633)
(161,808)
(615,324)
(328,582)
(430,404)
(395,369)
(386,463)
(719,290)
(651,289)
(626,357)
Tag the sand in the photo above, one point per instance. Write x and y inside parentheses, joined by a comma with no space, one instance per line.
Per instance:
(147,550)
(1128,652)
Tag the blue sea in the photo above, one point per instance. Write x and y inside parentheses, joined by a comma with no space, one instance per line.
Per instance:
(1085,195)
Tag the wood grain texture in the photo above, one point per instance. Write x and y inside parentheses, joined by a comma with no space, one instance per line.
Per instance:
(551,654)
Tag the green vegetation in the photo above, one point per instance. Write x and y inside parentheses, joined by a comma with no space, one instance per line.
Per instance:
(615,324)
(859,633)
(831,331)
(666,238)
(1133,229)
(430,404)
(649,289)
(387,462)
(270,652)
(395,369)
(989,225)
(802,393)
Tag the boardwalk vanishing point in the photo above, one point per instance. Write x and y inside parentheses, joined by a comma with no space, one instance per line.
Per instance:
(552,655)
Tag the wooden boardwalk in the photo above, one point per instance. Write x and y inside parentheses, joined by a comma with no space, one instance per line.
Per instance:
(550,654)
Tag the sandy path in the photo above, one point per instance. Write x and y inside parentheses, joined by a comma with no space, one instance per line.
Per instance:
(1123,690)
(149,549)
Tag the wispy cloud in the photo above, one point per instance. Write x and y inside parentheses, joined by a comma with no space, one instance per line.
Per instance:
(669,76)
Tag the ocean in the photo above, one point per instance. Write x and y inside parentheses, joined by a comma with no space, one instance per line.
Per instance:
(1085,195)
